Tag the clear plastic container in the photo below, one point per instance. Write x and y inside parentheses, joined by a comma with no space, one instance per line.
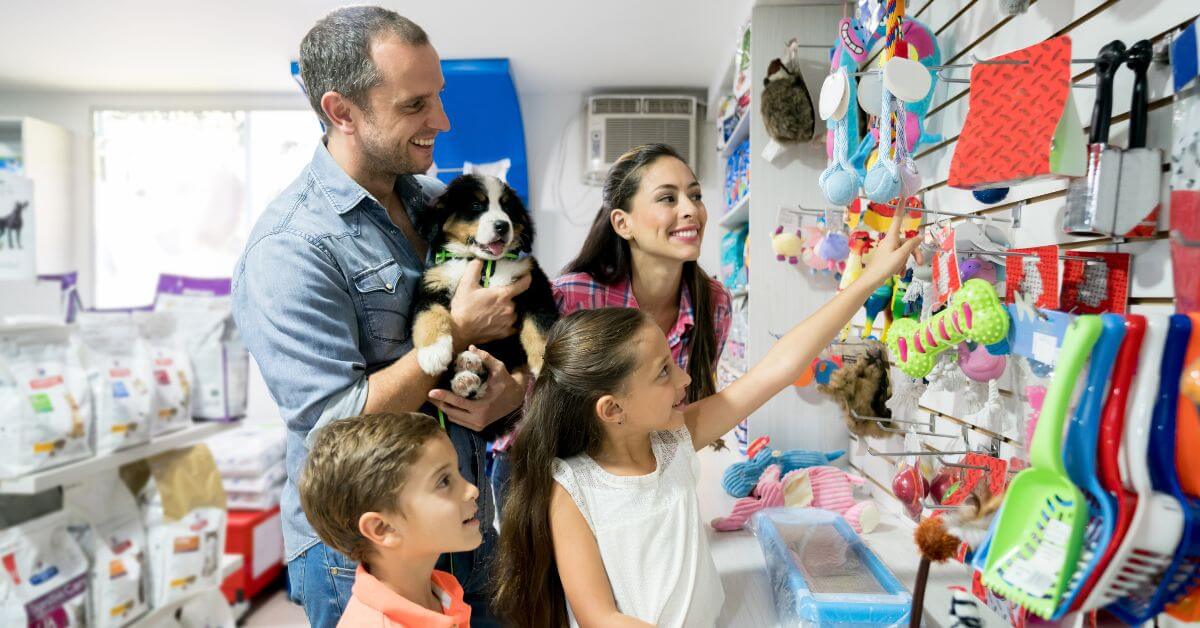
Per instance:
(822,574)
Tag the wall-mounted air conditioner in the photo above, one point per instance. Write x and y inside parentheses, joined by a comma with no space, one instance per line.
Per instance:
(618,122)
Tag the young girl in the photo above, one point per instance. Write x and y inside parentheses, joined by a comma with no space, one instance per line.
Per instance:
(605,467)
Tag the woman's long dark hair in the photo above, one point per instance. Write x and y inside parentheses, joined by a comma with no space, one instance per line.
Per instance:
(606,257)
(588,355)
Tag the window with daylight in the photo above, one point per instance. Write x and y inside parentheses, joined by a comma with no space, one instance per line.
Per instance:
(178,191)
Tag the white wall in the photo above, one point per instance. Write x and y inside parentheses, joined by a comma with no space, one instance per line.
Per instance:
(797,417)
(563,206)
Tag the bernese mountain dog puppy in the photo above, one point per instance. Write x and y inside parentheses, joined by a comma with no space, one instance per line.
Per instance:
(479,217)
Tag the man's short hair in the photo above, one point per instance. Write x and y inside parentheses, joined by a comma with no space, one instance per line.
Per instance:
(335,55)
(359,465)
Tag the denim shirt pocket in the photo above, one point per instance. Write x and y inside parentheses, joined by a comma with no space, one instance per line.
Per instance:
(384,301)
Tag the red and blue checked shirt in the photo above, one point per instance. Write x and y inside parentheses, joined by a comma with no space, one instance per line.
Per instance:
(579,291)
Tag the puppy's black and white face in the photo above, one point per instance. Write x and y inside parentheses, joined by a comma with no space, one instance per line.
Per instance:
(480,216)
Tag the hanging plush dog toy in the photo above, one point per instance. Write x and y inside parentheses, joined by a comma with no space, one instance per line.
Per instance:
(839,104)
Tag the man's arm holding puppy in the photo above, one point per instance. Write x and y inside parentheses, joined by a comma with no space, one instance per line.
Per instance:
(476,315)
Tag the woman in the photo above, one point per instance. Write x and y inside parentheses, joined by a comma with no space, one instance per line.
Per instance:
(641,252)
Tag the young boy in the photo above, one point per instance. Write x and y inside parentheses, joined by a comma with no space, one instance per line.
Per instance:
(384,489)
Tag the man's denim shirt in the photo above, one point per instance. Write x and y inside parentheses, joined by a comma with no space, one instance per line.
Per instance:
(322,297)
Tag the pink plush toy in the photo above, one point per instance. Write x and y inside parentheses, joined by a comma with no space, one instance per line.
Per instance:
(768,493)
(832,489)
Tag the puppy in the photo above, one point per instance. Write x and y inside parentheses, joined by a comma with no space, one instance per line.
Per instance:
(480,217)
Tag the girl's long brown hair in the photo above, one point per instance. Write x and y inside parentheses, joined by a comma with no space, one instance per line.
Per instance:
(589,354)
(606,257)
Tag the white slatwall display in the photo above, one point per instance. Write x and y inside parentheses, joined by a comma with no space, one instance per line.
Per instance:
(977,28)
(782,295)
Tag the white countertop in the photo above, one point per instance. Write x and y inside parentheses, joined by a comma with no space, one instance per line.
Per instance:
(739,559)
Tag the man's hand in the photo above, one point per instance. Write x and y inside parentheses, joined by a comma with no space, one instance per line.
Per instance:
(505,393)
(480,315)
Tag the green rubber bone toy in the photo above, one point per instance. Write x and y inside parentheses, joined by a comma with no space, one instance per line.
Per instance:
(975,313)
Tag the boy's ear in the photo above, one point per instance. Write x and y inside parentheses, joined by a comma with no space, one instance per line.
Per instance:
(609,410)
(376,529)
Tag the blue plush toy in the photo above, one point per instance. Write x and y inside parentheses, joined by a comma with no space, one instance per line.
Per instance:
(921,37)
(741,477)
(841,180)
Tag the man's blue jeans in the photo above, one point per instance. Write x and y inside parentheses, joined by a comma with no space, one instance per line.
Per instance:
(321,580)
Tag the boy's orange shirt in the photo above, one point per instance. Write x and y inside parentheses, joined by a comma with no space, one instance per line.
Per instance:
(372,603)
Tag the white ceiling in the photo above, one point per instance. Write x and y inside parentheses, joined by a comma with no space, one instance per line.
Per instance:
(245,45)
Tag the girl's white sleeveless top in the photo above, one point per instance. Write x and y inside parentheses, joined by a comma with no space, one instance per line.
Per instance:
(651,538)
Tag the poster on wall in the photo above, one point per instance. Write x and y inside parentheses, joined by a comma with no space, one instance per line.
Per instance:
(17,237)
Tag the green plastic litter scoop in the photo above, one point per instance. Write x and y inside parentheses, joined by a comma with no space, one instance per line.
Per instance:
(1040,532)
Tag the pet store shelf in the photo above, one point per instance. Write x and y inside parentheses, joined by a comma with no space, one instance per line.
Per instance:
(76,472)
(722,83)
(738,215)
(230,563)
(740,132)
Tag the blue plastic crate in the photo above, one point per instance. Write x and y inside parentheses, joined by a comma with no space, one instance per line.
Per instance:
(822,574)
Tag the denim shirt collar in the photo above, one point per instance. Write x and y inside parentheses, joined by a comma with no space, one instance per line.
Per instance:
(345,194)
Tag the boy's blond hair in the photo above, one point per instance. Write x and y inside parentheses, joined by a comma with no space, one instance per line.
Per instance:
(359,465)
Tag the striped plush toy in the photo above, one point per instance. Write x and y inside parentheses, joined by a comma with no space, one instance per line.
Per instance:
(741,477)
(825,487)
(830,488)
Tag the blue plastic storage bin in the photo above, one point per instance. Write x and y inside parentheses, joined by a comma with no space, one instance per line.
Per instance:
(822,574)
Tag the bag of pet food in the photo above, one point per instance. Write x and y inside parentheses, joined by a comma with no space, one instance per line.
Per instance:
(250,451)
(104,518)
(255,493)
(45,402)
(183,508)
(120,379)
(158,345)
(220,362)
(44,579)
(68,293)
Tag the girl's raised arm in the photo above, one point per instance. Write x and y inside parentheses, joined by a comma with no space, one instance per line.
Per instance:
(711,418)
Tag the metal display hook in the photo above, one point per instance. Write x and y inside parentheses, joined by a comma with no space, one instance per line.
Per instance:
(880,421)
(1014,218)
(891,454)
(975,60)
(1078,258)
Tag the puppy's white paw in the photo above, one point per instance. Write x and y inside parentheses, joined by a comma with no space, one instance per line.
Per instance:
(436,357)
(468,385)
(469,361)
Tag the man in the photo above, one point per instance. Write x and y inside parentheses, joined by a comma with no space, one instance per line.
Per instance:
(323,291)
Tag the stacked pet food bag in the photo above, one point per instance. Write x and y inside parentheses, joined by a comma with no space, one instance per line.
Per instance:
(250,461)
(108,548)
